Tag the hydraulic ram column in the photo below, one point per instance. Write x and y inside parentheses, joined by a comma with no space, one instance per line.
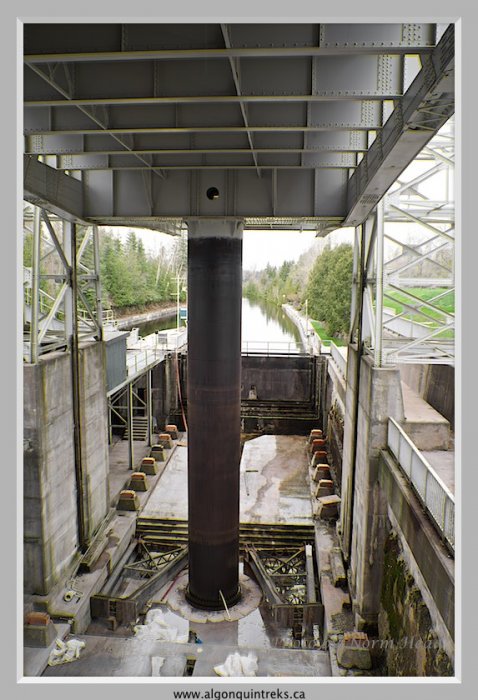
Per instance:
(214,406)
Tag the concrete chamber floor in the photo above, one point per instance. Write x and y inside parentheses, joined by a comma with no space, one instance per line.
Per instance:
(274,486)
(132,657)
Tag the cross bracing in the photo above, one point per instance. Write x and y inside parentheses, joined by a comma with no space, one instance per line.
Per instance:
(404,262)
(61,286)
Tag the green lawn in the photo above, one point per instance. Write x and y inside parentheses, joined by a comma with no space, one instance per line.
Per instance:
(446,303)
(323,335)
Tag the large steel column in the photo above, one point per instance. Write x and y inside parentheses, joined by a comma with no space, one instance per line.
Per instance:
(214,410)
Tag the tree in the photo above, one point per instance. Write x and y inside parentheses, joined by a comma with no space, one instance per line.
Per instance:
(329,289)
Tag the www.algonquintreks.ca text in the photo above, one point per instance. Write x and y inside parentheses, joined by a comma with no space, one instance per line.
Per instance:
(276,694)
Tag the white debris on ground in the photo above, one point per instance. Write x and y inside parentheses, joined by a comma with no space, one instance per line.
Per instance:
(157,628)
(156,663)
(237,665)
(64,652)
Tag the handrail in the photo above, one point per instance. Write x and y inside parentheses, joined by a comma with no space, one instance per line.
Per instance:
(268,347)
(434,495)
(339,359)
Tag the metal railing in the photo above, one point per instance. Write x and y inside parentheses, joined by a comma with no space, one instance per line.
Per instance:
(142,359)
(274,347)
(46,303)
(339,359)
(434,495)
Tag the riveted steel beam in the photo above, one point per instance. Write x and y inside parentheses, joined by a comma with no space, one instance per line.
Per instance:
(426,106)
(142,42)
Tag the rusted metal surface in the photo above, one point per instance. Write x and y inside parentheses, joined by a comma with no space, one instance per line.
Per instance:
(158,573)
(214,407)
(288,583)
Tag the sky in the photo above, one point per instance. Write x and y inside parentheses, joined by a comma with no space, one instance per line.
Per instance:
(260,248)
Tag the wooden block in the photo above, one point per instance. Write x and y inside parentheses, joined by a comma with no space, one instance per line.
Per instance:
(325,488)
(165,440)
(138,482)
(317,443)
(172,430)
(148,466)
(128,500)
(41,619)
(322,471)
(157,452)
(314,434)
(318,458)
(328,507)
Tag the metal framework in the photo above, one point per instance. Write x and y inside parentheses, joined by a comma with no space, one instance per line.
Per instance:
(62,293)
(124,413)
(403,249)
(289,122)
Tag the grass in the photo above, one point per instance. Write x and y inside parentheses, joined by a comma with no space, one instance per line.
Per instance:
(324,336)
(446,303)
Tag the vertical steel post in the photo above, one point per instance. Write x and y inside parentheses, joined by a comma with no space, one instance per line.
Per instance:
(70,230)
(149,408)
(379,249)
(214,411)
(348,495)
(177,304)
(99,305)
(68,299)
(129,417)
(35,310)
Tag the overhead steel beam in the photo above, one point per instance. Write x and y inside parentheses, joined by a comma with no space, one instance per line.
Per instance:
(224,54)
(331,163)
(89,113)
(130,42)
(52,190)
(190,151)
(425,107)
(38,131)
(197,118)
(207,99)
(235,69)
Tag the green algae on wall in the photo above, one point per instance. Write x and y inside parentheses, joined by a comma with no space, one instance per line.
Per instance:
(410,644)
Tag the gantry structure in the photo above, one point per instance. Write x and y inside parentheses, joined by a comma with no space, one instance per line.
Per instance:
(226,126)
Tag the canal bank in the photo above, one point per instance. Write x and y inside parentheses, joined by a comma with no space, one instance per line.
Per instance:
(167,313)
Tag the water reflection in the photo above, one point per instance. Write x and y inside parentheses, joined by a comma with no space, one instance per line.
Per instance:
(267,322)
(261,321)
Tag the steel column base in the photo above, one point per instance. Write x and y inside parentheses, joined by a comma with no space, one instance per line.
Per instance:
(196,602)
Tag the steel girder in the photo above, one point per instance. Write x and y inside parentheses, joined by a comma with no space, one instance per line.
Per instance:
(287,121)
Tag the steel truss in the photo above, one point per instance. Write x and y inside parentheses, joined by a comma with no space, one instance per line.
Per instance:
(389,269)
(118,411)
(61,289)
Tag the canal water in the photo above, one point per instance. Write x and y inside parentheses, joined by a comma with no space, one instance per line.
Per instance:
(262,322)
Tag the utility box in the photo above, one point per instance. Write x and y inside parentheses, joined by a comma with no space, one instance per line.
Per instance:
(116,369)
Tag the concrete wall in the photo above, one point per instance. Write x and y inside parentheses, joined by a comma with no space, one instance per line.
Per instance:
(285,378)
(441,391)
(435,384)
(411,642)
(94,434)
(363,504)
(427,556)
(50,505)
(50,511)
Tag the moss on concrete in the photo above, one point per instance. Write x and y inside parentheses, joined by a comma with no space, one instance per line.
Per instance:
(410,644)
